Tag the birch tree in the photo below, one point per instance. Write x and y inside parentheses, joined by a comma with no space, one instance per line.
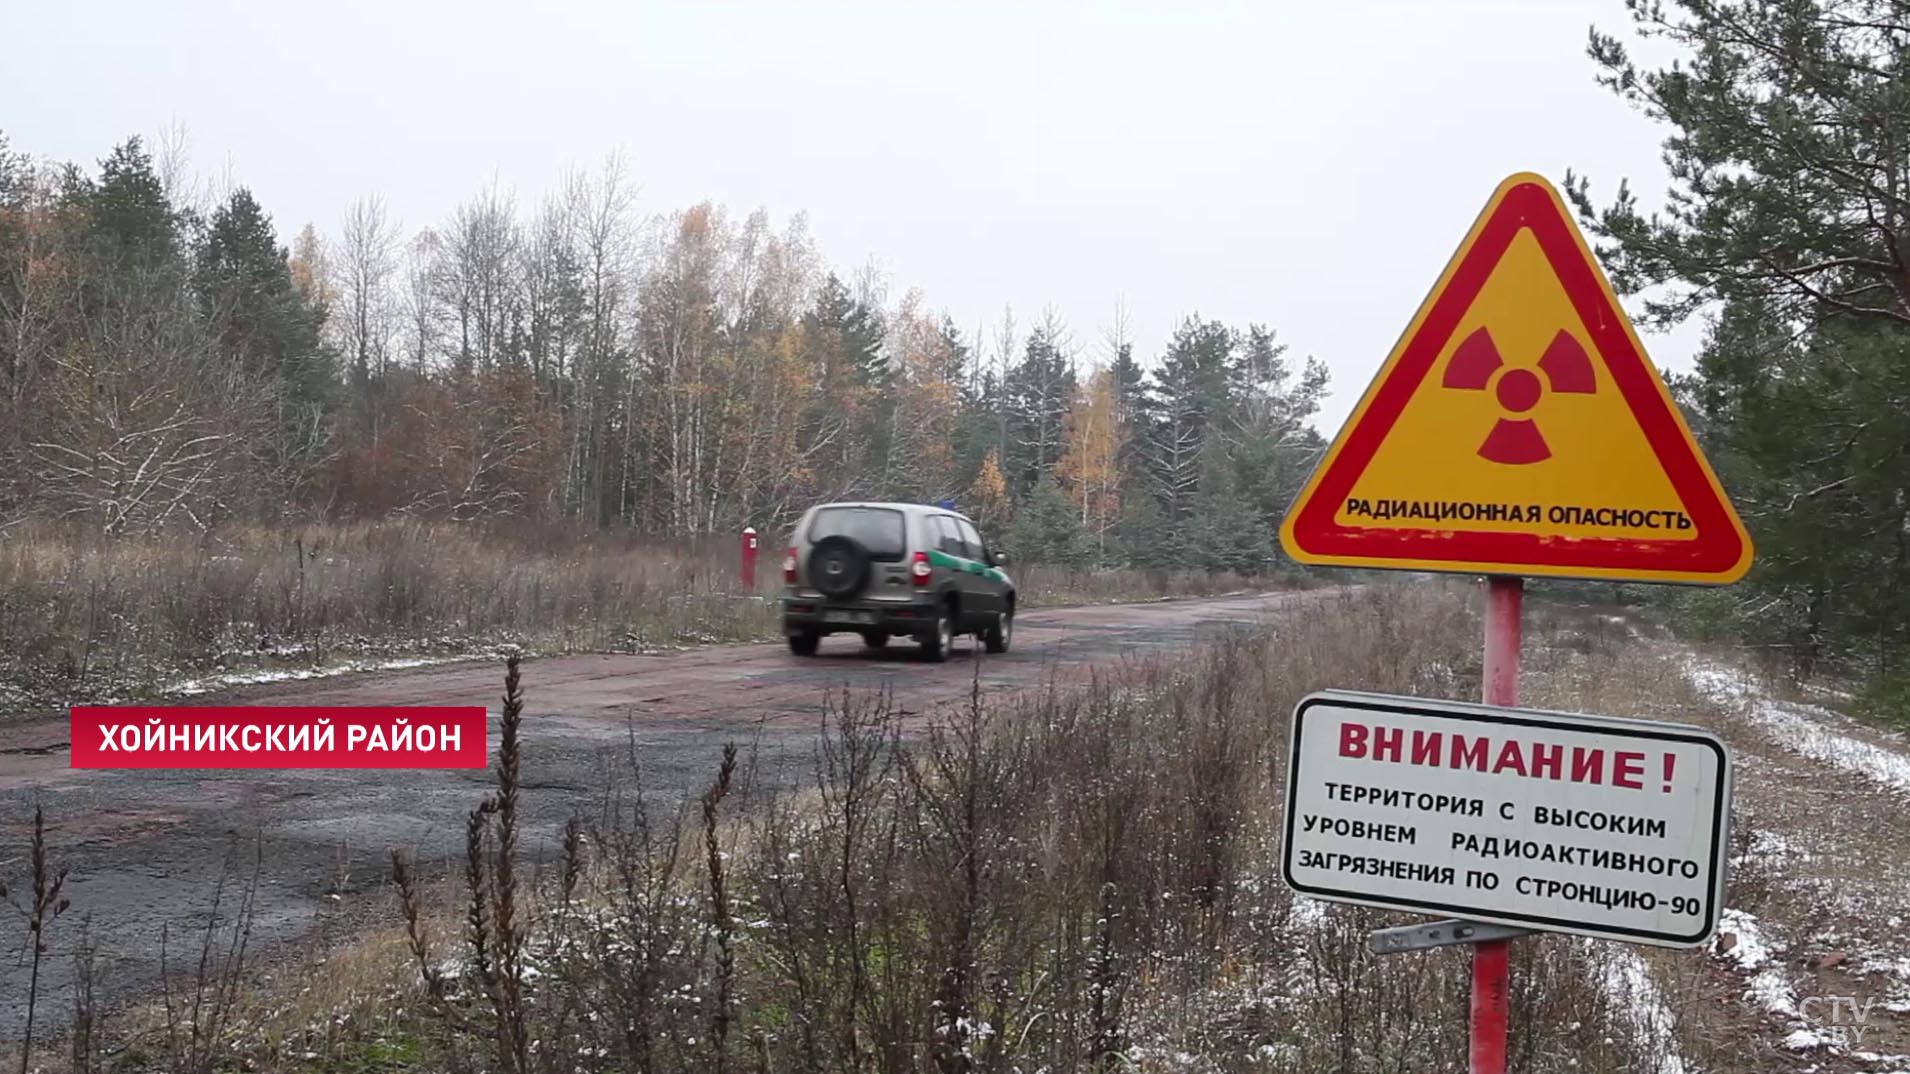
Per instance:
(1090,466)
(366,312)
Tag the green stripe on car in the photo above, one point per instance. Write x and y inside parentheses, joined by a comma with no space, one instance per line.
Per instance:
(973,566)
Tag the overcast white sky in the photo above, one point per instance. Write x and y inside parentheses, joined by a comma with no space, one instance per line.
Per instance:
(1309,165)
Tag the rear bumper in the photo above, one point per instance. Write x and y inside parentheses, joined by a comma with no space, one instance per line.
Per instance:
(806,615)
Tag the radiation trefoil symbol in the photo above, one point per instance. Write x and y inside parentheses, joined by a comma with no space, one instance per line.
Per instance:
(1477,365)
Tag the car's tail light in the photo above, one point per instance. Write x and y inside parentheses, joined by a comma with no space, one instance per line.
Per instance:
(789,566)
(919,568)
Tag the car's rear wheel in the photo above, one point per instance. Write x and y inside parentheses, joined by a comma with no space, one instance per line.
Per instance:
(804,644)
(1001,633)
(936,646)
(875,639)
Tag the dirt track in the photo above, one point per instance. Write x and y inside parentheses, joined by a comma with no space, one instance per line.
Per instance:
(148,848)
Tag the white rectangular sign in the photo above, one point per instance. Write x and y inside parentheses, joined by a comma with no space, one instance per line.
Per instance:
(1584,824)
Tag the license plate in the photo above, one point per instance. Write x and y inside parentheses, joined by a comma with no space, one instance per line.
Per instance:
(848,617)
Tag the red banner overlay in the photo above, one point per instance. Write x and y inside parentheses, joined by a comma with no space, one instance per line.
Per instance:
(278,736)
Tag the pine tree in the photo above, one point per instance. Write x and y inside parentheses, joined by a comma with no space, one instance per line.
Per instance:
(1145,537)
(1190,397)
(1228,533)
(1130,402)
(1047,529)
(127,208)
(978,432)
(1274,449)
(1039,391)
(1130,381)
(854,405)
(1788,217)
(246,286)
(16,171)
(268,328)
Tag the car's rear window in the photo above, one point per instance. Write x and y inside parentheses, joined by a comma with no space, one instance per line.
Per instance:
(878,529)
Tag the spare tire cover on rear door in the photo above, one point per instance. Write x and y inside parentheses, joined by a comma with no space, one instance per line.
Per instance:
(838,567)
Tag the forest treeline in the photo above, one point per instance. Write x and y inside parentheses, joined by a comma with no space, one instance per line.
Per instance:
(167,364)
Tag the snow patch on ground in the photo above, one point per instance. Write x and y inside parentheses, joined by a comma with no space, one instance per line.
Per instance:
(1767,985)
(1882,1064)
(211,683)
(1805,729)
(1890,967)
(1626,981)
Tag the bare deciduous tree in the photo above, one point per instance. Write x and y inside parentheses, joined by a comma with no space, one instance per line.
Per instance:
(478,281)
(365,315)
(145,426)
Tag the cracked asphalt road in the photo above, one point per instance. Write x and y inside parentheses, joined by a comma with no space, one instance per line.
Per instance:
(146,849)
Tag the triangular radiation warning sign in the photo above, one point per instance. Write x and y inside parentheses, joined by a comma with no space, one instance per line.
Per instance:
(1519,428)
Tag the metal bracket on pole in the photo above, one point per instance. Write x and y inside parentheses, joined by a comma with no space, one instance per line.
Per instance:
(1438,934)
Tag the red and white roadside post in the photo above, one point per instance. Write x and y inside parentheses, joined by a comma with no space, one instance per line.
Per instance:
(1505,598)
(747,564)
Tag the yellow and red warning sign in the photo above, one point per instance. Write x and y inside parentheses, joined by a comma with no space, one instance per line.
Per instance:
(1519,428)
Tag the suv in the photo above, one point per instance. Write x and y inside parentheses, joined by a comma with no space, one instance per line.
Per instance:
(883,569)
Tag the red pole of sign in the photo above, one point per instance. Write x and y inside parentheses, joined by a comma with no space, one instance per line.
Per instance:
(1490,976)
(748,567)
(1504,602)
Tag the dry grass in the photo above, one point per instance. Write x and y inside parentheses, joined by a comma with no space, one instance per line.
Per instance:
(84,617)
